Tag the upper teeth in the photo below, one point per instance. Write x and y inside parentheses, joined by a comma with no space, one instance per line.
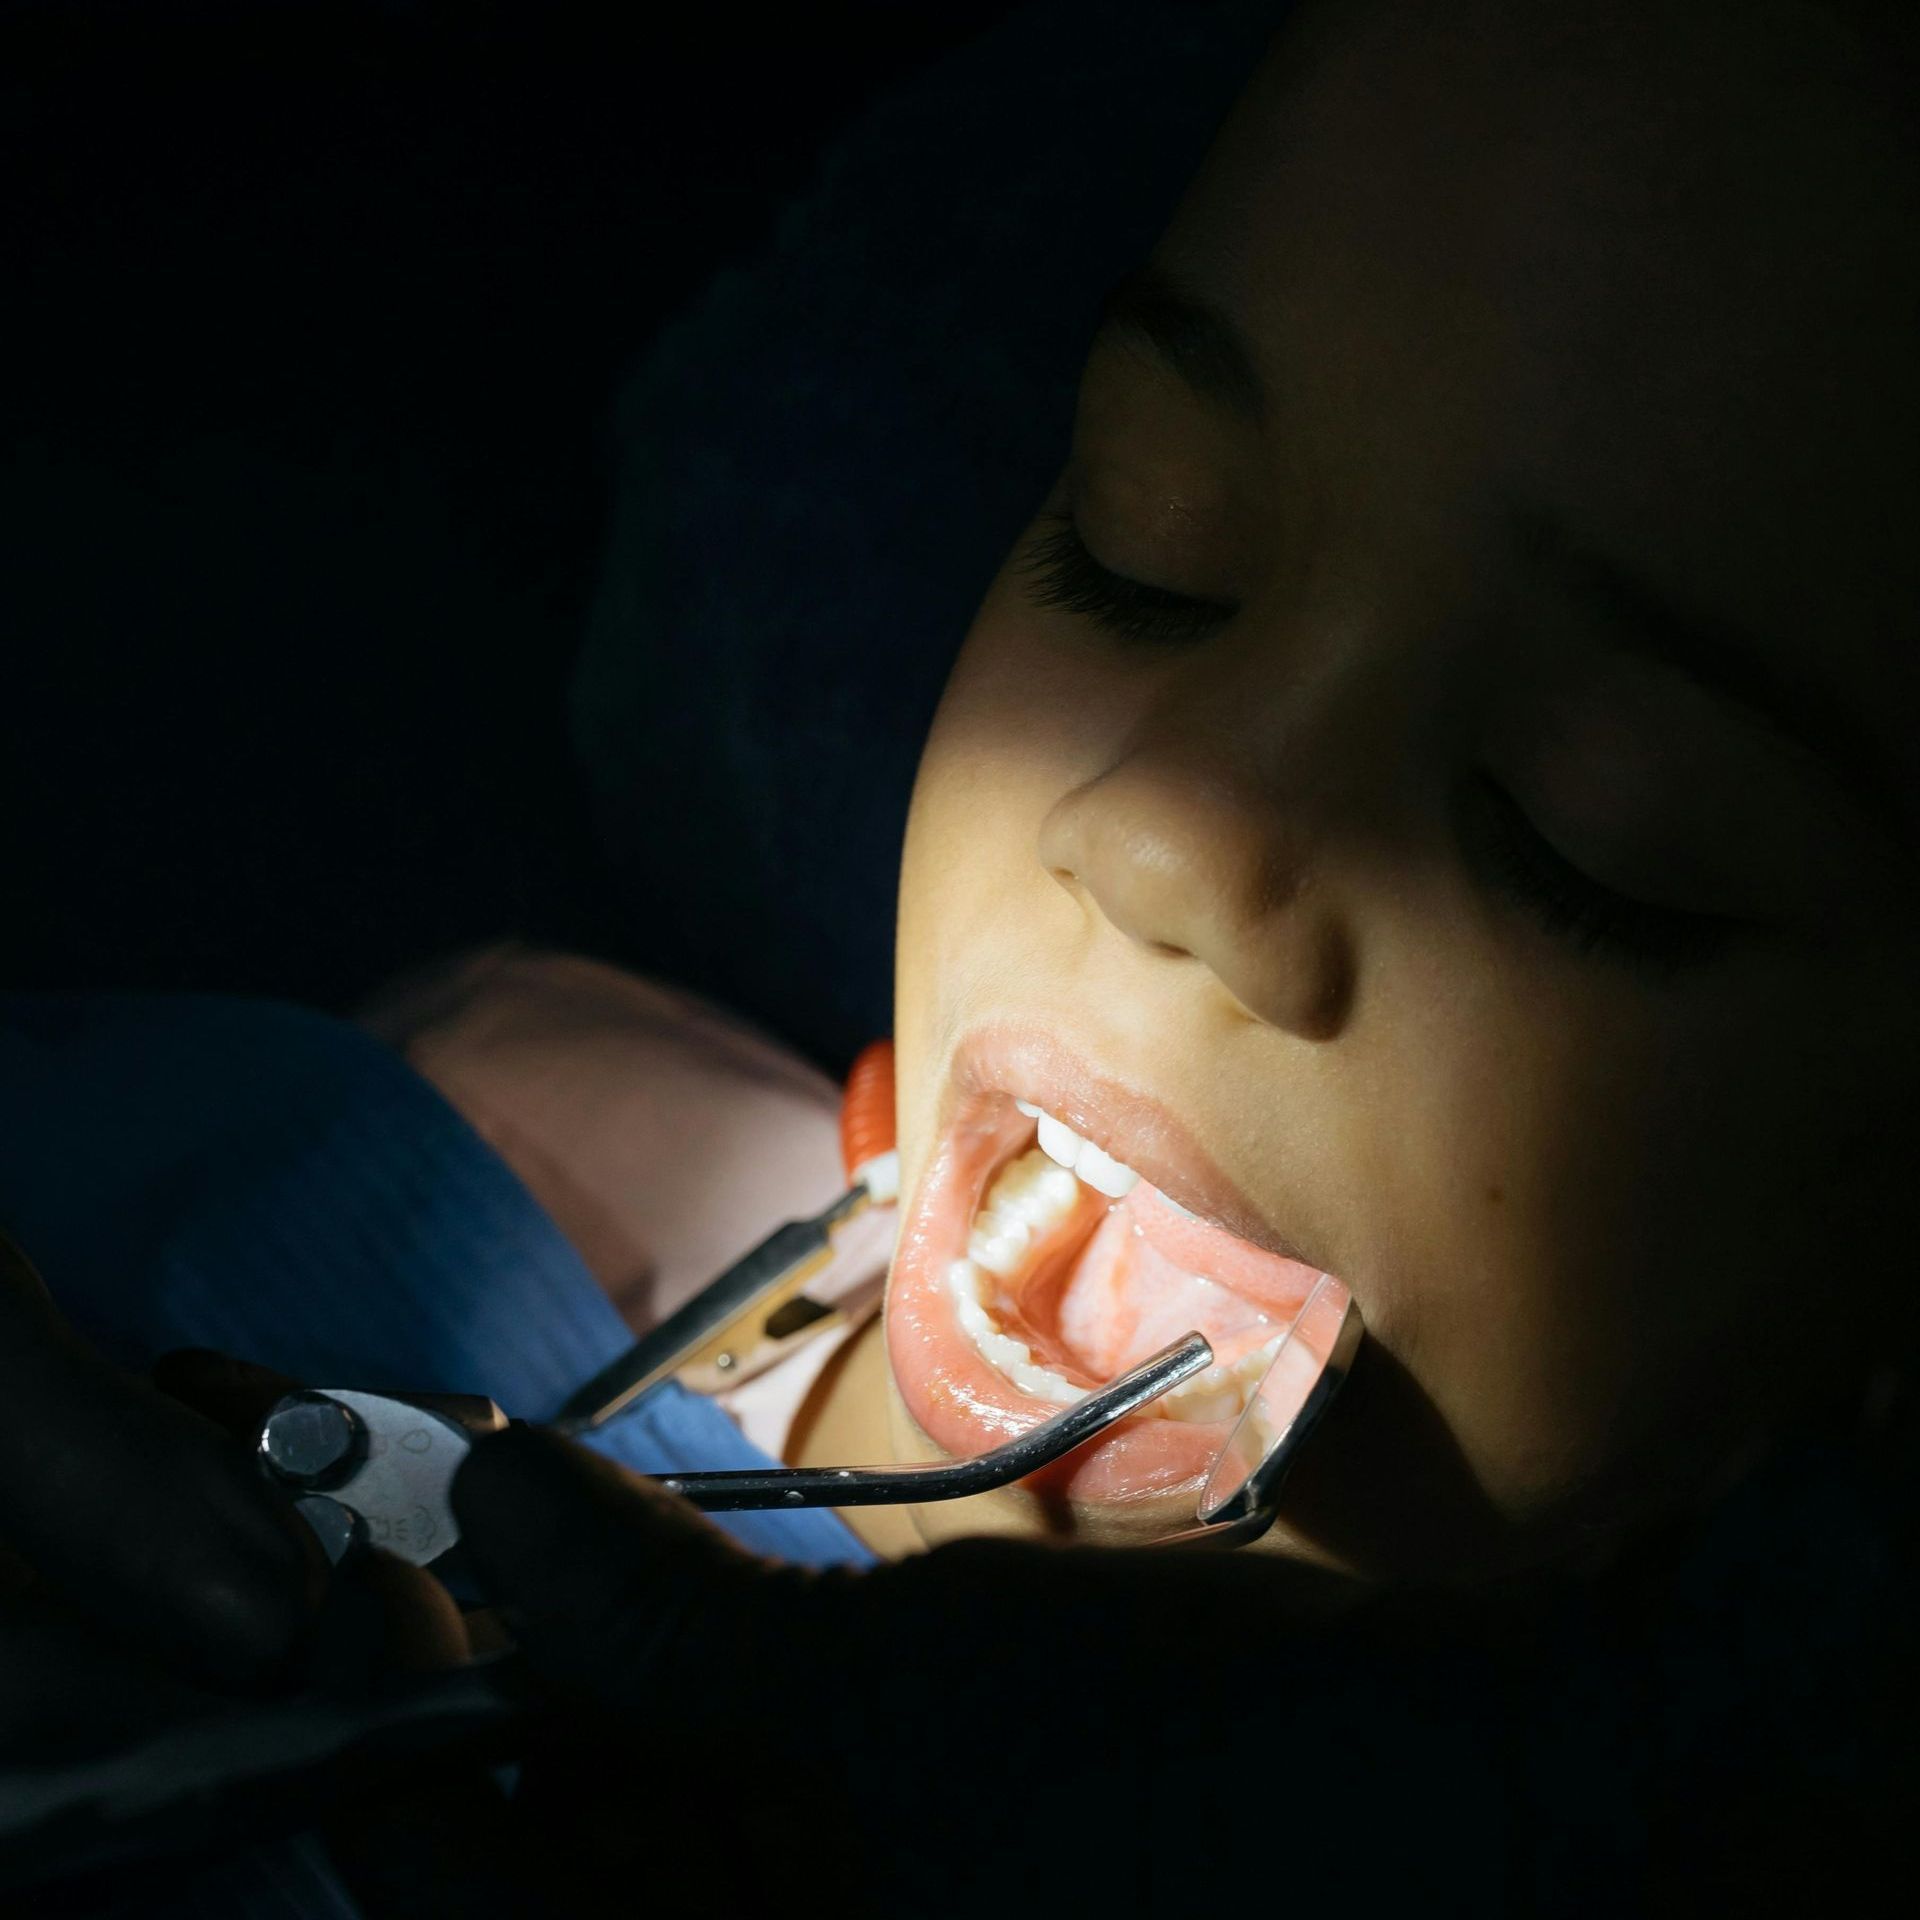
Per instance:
(1061,1144)
(1030,1199)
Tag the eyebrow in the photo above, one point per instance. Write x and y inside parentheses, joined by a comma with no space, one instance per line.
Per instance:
(1717,656)
(1151,310)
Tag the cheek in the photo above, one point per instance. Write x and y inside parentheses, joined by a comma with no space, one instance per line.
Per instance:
(1605,1225)
(1495,1216)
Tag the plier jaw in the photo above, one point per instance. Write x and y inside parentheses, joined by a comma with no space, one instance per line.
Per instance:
(375,1467)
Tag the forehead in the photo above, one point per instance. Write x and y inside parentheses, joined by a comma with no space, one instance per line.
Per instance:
(1650,261)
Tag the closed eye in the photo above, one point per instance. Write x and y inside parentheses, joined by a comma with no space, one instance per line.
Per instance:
(1063,577)
(1525,867)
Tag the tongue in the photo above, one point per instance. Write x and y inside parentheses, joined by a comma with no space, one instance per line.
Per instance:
(1149,1275)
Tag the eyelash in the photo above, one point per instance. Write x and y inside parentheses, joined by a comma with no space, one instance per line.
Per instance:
(1063,577)
(1571,905)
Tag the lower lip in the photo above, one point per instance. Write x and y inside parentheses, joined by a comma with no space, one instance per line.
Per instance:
(964,1404)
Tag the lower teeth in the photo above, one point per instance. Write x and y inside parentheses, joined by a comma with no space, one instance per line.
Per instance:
(1011,1357)
(1031,1197)
(1219,1393)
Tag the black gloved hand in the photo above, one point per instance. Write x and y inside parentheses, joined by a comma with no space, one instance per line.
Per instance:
(151,1570)
(992,1726)
(151,1576)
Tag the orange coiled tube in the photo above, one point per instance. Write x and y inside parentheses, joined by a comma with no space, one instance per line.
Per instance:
(866,1108)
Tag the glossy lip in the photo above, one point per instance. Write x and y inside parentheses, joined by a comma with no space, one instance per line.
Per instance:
(958,1401)
(1141,1132)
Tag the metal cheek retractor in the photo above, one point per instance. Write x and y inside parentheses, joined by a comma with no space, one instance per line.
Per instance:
(380,1467)
(1242,1496)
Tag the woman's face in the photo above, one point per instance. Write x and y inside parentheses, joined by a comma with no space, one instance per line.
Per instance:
(1475,859)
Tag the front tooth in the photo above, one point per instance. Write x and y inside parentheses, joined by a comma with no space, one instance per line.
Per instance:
(1104,1173)
(1028,1108)
(1059,1142)
(1168,1200)
(1099,1170)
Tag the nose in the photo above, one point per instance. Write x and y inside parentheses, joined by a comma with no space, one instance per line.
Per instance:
(1193,856)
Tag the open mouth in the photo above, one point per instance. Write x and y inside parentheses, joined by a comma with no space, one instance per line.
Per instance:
(1037,1262)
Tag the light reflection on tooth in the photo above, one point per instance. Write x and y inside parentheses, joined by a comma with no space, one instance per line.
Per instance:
(973,1320)
(1055,1192)
(1056,1185)
(1044,1384)
(1059,1142)
(1034,1194)
(1219,1393)
(963,1279)
(1032,1191)
(998,1242)
(1005,1351)
(1097,1168)
(1201,1407)
(1011,1357)
(1104,1173)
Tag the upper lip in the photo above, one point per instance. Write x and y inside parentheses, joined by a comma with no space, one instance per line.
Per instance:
(1034,1064)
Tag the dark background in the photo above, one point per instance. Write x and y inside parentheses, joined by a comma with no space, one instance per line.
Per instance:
(310,319)
(524,469)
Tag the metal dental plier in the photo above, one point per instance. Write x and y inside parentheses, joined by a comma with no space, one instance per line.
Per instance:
(379,1468)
